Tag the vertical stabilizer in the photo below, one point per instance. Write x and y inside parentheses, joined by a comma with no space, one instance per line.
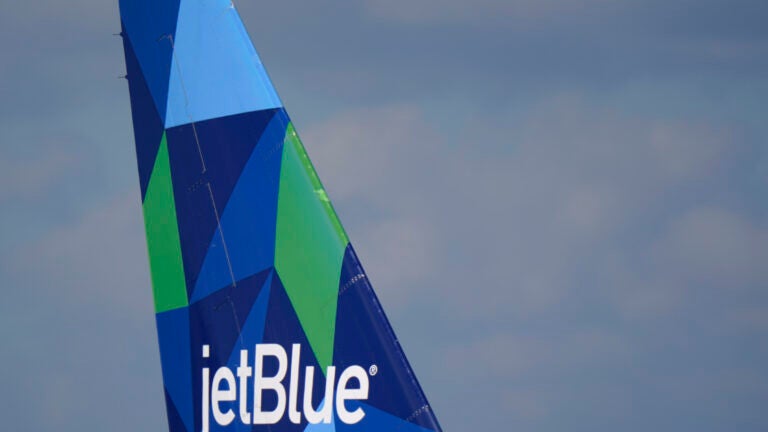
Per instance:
(266,319)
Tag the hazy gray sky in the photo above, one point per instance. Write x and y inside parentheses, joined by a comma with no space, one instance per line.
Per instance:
(561,204)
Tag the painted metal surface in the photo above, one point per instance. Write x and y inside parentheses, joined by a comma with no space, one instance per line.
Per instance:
(265,317)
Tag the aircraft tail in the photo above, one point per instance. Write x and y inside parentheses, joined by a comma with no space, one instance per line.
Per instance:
(265,317)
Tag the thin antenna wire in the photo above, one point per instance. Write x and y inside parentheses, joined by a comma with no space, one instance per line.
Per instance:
(202,161)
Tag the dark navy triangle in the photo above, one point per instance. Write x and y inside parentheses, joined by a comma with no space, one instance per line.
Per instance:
(151,27)
(249,218)
(147,124)
(217,321)
(175,423)
(365,338)
(251,334)
(283,328)
(226,145)
(252,329)
(376,420)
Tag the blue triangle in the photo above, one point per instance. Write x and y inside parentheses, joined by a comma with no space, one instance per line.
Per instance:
(216,70)
(147,124)
(173,335)
(283,327)
(150,26)
(226,144)
(248,221)
(175,423)
(251,333)
(214,275)
(364,337)
(219,321)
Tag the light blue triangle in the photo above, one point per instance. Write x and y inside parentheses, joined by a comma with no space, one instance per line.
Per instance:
(216,71)
(322,427)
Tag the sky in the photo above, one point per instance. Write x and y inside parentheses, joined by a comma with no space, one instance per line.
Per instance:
(561,205)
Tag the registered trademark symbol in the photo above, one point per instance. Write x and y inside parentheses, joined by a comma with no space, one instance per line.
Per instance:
(373,370)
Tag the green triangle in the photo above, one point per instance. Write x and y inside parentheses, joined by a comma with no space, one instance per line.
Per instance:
(309,248)
(166,266)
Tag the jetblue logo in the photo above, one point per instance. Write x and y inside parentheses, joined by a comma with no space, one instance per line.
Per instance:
(229,386)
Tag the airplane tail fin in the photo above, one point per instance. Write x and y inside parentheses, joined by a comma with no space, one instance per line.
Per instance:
(265,317)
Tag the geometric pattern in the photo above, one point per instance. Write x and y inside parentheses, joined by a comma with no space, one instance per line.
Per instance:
(211,33)
(244,245)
